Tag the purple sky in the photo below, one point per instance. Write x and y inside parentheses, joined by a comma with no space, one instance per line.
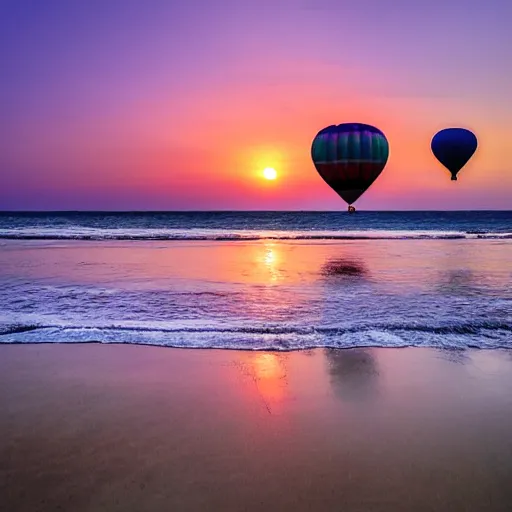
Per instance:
(162,105)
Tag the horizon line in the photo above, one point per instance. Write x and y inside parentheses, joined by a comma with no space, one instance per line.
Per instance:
(250,211)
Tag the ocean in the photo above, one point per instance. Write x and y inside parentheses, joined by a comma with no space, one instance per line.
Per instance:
(258,280)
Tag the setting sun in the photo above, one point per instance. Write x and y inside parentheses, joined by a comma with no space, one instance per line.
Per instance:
(269,173)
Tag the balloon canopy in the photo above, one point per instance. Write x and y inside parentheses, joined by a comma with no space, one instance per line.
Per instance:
(453,147)
(350,157)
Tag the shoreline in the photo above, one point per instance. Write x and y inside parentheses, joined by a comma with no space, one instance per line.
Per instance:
(272,350)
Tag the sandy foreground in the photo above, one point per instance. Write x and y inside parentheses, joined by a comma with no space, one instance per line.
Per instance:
(132,428)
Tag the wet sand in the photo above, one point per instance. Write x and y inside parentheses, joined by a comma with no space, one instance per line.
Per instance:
(131,428)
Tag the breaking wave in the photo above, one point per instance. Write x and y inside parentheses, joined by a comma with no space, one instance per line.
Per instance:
(483,334)
(79,233)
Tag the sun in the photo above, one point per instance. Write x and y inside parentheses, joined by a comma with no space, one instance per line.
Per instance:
(269,173)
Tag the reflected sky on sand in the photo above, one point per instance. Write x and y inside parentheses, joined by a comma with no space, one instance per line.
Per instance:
(265,376)
(227,430)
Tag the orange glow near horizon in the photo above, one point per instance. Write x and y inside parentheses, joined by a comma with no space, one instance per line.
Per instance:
(220,163)
(157,128)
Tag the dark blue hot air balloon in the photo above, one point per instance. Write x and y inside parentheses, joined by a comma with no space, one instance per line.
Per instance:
(453,147)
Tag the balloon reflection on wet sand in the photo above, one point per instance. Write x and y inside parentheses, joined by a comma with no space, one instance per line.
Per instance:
(353,374)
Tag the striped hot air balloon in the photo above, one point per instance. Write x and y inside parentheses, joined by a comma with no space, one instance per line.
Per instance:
(350,157)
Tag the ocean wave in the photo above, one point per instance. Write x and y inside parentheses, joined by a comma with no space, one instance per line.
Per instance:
(97,234)
(484,334)
(17,328)
(457,328)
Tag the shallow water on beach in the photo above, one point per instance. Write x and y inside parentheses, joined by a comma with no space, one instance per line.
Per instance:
(263,294)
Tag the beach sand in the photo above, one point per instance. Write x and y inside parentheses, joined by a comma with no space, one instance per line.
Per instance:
(130,428)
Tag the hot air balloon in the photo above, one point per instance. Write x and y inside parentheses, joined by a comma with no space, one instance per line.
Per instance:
(349,157)
(453,147)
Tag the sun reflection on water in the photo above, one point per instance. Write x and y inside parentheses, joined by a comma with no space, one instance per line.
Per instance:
(271,261)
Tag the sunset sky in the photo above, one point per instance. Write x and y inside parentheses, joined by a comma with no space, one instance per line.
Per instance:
(164,105)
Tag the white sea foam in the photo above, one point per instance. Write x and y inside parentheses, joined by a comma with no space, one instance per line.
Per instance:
(86,233)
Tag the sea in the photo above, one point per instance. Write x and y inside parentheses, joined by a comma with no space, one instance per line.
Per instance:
(258,280)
